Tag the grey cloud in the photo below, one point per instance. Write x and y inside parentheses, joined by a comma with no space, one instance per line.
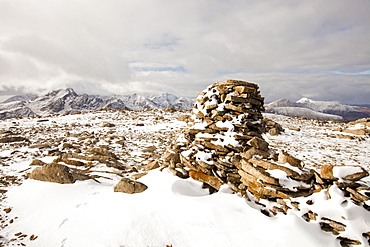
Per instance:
(182,46)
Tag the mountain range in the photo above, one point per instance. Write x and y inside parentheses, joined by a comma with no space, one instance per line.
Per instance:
(319,110)
(68,101)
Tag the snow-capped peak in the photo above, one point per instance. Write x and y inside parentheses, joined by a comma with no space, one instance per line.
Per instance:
(67,100)
(305,100)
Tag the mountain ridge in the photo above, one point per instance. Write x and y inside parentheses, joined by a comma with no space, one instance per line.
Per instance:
(67,101)
(319,110)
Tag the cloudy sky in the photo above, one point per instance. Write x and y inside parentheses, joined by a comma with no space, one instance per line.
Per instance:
(310,48)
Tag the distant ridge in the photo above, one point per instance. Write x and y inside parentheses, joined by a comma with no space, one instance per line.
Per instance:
(67,101)
(319,110)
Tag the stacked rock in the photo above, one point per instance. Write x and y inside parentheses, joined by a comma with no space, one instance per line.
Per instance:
(224,145)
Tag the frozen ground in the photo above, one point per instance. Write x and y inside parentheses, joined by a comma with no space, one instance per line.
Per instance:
(172,211)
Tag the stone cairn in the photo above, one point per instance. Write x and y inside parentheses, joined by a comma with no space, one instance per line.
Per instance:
(224,145)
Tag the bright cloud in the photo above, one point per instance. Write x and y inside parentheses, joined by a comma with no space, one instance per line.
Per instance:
(290,48)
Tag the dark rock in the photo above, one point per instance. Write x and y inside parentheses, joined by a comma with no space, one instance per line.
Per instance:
(9,139)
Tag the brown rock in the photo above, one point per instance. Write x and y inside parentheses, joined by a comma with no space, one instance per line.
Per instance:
(331,225)
(234,108)
(347,242)
(310,216)
(37,163)
(258,143)
(7,210)
(101,151)
(258,190)
(244,89)
(171,157)
(356,195)
(179,172)
(204,178)
(235,83)
(55,173)
(214,146)
(357,176)
(326,172)
(129,186)
(138,175)
(303,176)
(357,131)
(40,146)
(9,139)
(109,125)
(273,131)
(72,162)
(284,157)
(345,137)
(254,151)
(150,166)
(317,177)
(257,172)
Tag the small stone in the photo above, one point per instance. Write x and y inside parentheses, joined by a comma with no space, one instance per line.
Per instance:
(347,242)
(33,237)
(150,166)
(7,210)
(138,175)
(204,178)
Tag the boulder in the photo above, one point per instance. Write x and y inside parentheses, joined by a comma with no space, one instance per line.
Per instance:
(129,186)
(55,173)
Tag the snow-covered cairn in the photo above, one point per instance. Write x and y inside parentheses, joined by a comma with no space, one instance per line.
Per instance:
(224,145)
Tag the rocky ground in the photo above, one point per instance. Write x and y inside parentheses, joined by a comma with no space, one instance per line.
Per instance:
(104,144)
(109,145)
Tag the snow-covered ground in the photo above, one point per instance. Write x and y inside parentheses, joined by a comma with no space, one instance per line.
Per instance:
(172,211)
